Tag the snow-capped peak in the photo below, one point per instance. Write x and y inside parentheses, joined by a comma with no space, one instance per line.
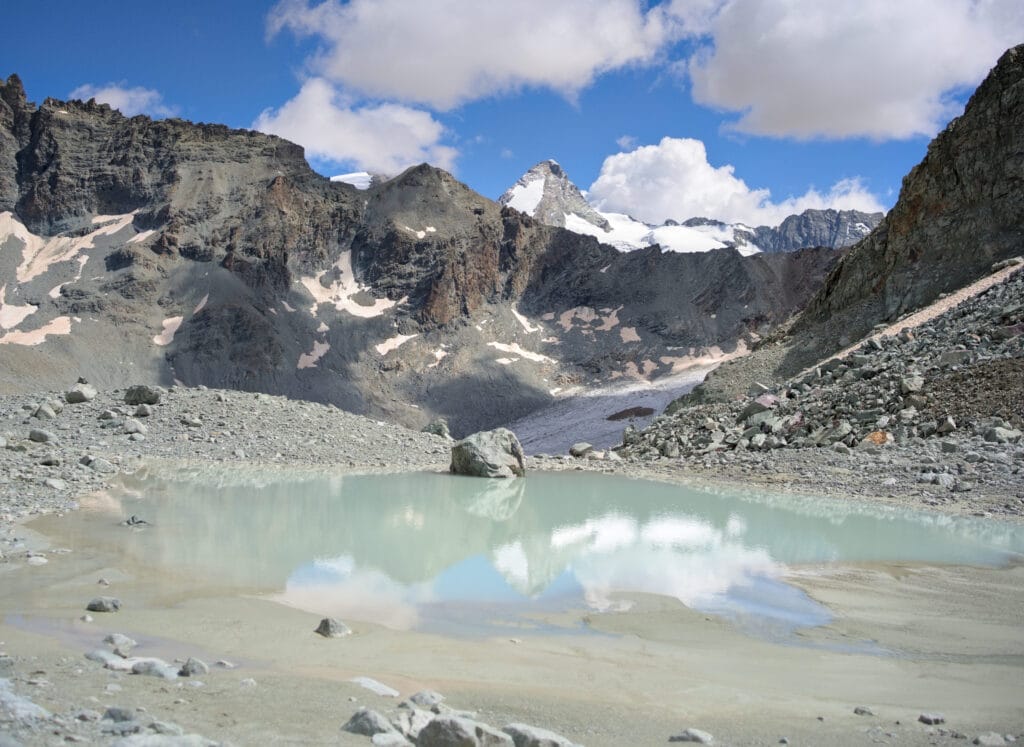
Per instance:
(546,193)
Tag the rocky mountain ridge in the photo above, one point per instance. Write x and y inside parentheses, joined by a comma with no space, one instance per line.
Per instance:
(546,193)
(163,251)
(960,211)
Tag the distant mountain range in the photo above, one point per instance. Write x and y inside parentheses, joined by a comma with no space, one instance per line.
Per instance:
(546,193)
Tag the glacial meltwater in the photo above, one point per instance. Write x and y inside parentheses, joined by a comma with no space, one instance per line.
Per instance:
(457,554)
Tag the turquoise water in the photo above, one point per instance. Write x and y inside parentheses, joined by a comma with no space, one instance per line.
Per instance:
(437,552)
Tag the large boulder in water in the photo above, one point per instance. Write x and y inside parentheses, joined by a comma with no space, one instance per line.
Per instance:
(494,453)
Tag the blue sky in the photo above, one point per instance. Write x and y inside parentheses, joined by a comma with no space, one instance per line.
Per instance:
(736,109)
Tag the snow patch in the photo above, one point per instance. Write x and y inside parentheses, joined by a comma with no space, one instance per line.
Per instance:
(170,325)
(140,237)
(515,349)
(59,326)
(505,361)
(201,305)
(524,321)
(393,343)
(308,360)
(526,197)
(341,292)
(287,307)
(11,315)
(323,328)
(628,334)
(40,254)
(55,291)
(439,355)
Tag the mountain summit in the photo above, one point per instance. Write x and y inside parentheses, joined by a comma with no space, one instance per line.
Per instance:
(546,193)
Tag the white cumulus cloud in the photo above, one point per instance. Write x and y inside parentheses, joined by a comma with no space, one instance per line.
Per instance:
(128,100)
(877,68)
(379,138)
(448,52)
(674,179)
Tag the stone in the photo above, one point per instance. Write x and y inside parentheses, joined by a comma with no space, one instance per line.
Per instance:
(911,384)
(989,739)
(452,731)
(427,698)
(932,719)
(524,735)
(55,483)
(759,404)
(191,421)
(143,411)
(120,642)
(693,735)
(438,427)
(153,667)
(955,358)
(193,667)
(389,739)
(1001,435)
(131,425)
(40,436)
(496,453)
(411,720)
(104,604)
(118,715)
(140,394)
(44,412)
(580,449)
(946,425)
(367,723)
(79,393)
(331,628)
(863,711)
(102,466)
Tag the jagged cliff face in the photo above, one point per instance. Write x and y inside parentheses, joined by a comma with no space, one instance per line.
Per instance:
(832,228)
(546,193)
(959,210)
(134,250)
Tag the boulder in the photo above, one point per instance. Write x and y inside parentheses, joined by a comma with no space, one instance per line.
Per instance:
(530,736)
(140,394)
(79,393)
(104,604)
(693,735)
(331,628)
(438,427)
(368,722)
(494,453)
(580,449)
(452,731)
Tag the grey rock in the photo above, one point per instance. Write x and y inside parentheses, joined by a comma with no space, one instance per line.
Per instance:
(989,739)
(410,720)
(331,628)
(932,719)
(56,483)
(1003,435)
(44,412)
(693,735)
(580,449)
(120,641)
(41,437)
(104,604)
(389,739)
(134,426)
(80,393)
(863,711)
(524,735)
(452,731)
(427,698)
(193,667)
(368,722)
(143,411)
(494,453)
(119,714)
(438,427)
(153,667)
(141,394)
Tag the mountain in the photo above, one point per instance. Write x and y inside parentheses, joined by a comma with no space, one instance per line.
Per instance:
(831,228)
(547,194)
(141,251)
(960,211)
